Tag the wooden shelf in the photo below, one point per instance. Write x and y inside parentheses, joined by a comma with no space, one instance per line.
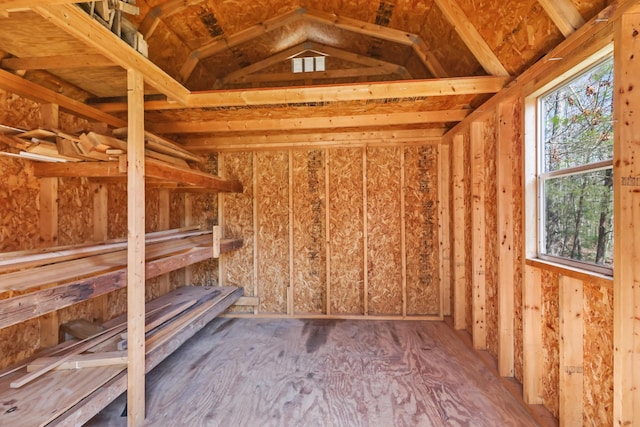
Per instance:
(90,276)
(88,390)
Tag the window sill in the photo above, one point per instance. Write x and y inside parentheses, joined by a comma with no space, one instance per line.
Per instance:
(576,273)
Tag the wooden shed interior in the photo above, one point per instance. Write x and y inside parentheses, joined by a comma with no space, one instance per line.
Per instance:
(334,159)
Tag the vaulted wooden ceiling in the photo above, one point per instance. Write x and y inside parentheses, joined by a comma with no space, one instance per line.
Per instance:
(392,64)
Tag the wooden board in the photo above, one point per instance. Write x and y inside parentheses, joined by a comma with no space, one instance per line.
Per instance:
(468,248)
(346,231)
(309,227)
(423,290)
(384,250)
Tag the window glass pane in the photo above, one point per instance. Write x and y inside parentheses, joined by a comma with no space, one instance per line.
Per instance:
(578,222)
(576,123)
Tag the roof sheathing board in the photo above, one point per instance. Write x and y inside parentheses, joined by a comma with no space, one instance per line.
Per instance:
(167,51)
(362,10)
(234,16)
(517,32)
(195,25)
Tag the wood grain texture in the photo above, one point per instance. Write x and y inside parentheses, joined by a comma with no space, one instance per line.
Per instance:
(346,231)
(272,198)
(423,293)
(309,227)
(550,341)
(384,249)
(324,372)
(468,247)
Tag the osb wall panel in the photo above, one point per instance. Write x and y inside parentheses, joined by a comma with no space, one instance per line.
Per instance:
(117,203)
(491,236)
(272,200)
(421,225)
(75,211)
(468,247)
(18,112)
(19,342)
(309,231)
(551,341)
(19,192)
(518,235)
(346,231)
(238,221)
(598,355)
(384,231)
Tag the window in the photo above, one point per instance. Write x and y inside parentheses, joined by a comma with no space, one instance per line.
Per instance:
(575,174)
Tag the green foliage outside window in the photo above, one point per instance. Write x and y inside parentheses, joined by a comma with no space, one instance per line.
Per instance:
(576,177)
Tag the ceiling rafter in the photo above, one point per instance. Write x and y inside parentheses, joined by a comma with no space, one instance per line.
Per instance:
(319,75)
(471,37)
(564,14)
(77,23)
(261,125)
(352,25)
(328,93)
(29,4)
(55,62)
(164,10)
(383,67)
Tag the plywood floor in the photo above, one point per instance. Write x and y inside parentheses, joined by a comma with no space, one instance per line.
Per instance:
(254,372)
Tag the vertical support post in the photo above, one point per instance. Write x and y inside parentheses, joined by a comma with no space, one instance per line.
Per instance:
(188,221)
(365,232)
(164,222)
(532,333)
(101,232)
(479,299)
(571,351)
(444,221)
(403,231)
(459,237)
(506,259)
(327,232)
(291,287)
(136,251)
(49,226)
(221,220)
(217,237)
(254,183)
(626,251)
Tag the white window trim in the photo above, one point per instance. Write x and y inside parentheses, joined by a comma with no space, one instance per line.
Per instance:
(534,203)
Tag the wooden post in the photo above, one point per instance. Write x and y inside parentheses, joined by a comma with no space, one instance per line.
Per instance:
(101,232)
(571,351)
(459,237)
(188,220)
(403,231)
(164,223)
(291,287)
(136,252)
(532,333)
(506,259)
(327,233)
(221,220)
(49,323)
(626,252)
(444,219)
(365,232)
(479,299)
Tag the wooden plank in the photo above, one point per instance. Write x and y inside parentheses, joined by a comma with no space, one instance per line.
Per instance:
(55,62)
(506,239)
(571,352)
(459,235)
(626,252)
(479,330)
(161,170)
(164,10)
(532,333)
(49,237)
(444,231)
(77,23)
(327,217)
(471,37)
(136,251)
(29,90)
(347,92)
(81,361)
(316,139)
(403,231)
(564,14)
(29,4)
(247,301)
(162,145)
(291,287)
(331,122)
(365,234)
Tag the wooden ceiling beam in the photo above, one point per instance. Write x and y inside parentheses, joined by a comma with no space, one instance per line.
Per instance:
(56,62)
(30,4)
(76,22)
(27,89)
(328,123)
(471,37)
(324,93)
(164,10)
(292,140)
(564,14)
(319,75)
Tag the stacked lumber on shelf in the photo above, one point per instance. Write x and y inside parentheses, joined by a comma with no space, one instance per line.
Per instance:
(86,271)
(91,380)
